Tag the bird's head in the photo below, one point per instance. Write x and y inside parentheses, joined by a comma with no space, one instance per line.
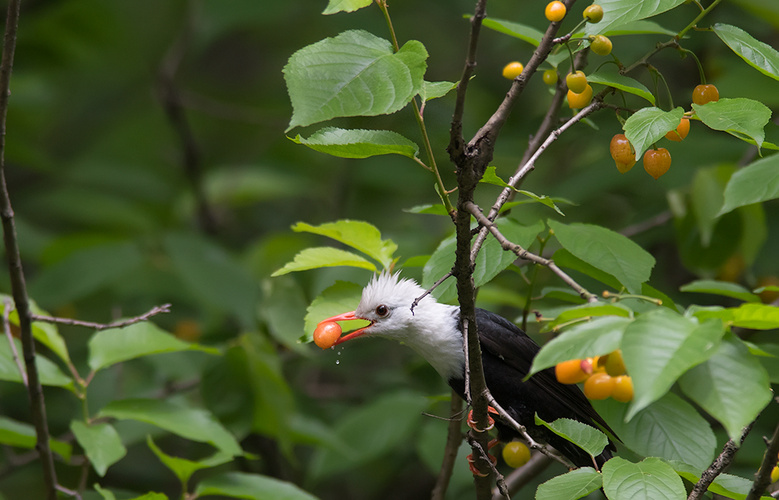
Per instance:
(386,303)
(430,328)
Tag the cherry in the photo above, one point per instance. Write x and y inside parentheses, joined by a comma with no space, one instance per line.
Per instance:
(601,45)
(657,162)
(579,100)
(576,82)
(326,334)
(623,388)
(622,152)
(570,372)
(593,13)
(681,131)
(512,70)
(614,363)
(600,385)
(550,76)
(555,11)
(703,94)
(516,454)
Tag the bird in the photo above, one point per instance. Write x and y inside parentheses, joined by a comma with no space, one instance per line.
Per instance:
(432,329)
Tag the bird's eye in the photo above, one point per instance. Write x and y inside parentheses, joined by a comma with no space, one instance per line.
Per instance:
(382,310)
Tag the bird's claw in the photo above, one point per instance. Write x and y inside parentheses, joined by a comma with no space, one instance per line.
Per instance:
(490,420)
(472,465)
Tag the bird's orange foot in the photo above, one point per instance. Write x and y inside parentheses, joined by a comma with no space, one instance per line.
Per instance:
(472,461)
(490,420)
(472,465)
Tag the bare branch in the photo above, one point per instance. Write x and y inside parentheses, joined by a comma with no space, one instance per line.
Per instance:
(763,476)
(524,254)
(430,290)
(165,308)
(18,285)
(719,465)
(453,439)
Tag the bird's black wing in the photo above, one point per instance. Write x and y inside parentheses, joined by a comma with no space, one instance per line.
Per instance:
(507,355)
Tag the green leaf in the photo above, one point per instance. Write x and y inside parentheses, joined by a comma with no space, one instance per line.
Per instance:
(50,374)
(115,345)
(250,487)
(608,251)
(756,316)
(611,78)
(655,430)
(492,259)
(574,484)
(317,257)
(359,143)
(593,338)
(397,415)
(45,333)
(564,258)
(617,13)
(183,468)
(336,299)
(191,423)
(638,28)
(739,117)
(649,479)
(648,125)
(724,288)
(359,235)
(757,54)
(755,183)
(334,6)
(22,435)
(100,442)
(109,495)
(659,346)
(589,310)
(434,90)
(582,435)
(732,386)
(517,30)
(353,74)
(706,200)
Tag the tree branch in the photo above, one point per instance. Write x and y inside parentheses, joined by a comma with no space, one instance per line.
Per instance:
(720,464)
(18,285)
(524,254)
(763,476)
(165,308)
(453,440)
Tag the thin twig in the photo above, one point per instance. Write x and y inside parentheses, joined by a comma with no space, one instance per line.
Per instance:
(430,290)
(165,308)
(763,476)
(171,101)
(453,440)
(720,464)
(524,254)
(18,285)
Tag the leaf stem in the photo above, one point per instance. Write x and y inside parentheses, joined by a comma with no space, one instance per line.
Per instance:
(694,22)
(433,166)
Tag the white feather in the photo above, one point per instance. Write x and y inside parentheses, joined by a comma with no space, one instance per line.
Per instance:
(430,329)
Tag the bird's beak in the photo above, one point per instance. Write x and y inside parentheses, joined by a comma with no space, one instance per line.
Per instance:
(349,316)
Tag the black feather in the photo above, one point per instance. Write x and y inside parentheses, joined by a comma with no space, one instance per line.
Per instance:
(507,355)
